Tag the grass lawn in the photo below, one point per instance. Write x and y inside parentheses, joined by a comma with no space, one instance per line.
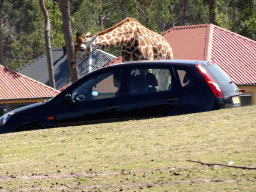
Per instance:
(158,154)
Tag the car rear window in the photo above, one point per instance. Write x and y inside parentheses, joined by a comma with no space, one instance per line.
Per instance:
(219,76)
(185,79)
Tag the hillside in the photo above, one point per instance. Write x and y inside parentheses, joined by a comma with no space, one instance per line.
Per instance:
(159,154)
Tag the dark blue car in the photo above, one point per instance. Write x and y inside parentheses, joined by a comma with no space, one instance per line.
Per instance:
(130,90)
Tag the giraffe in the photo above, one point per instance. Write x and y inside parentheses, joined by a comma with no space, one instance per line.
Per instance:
(138,42)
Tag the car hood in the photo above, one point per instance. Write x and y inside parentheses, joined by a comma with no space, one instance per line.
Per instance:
(27,107)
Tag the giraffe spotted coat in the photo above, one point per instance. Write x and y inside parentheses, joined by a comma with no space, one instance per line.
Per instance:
(138,42)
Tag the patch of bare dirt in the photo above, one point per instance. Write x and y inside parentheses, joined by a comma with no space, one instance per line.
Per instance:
(104,187)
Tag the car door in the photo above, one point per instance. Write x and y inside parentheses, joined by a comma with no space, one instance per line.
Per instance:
(150,92)
(194,95)
(94,100)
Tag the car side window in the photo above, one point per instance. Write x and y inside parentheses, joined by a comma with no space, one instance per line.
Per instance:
(103,86)
(147,80)
(185,78)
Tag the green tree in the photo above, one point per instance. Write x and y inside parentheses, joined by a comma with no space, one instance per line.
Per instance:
(23,23)
(246,23)
(237,16)
(1,41)
(157,16)
(48,44)
(86,18)
(73,68)
(27,30)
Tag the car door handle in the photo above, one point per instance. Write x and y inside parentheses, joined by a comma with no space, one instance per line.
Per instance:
(113,107)
(171,99)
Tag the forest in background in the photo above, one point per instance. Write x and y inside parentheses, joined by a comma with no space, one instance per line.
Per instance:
(23,24)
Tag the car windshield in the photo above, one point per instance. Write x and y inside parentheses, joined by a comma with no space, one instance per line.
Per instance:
(87,86)
(219,76)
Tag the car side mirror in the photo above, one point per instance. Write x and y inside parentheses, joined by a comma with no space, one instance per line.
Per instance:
(68,99)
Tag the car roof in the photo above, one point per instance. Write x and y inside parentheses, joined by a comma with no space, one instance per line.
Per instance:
(162,62)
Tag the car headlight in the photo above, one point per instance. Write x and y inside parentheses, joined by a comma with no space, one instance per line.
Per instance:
(5,118)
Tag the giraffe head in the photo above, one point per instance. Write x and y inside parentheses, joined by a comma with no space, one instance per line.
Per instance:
(83,46)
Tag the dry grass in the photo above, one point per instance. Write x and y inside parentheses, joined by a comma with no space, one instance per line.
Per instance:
(139,155)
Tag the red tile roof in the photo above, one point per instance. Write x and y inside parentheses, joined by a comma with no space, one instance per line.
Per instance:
(114,61)
(16,86)
(235,54)
(188,42)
